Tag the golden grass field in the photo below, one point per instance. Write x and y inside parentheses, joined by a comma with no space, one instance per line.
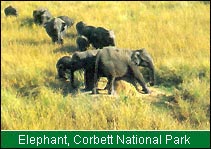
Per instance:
(176,34)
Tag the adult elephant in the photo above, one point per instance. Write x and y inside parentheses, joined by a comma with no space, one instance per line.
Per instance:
(83,29)
(102,37)
(99,37)
(56,29)
(79,60)
(119,64)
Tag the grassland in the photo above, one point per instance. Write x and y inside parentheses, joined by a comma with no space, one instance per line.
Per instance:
(176,34)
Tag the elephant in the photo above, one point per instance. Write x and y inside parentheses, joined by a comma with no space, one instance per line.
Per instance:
(56,29)
(10,11)
(99,37)
(80,60)
(41,16)
(121,64)
(82,43)
(83,29)
(69,22)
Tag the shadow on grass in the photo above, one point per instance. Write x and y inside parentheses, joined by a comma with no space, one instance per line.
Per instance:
(61,85)
(64,86)
(170,104)
(28,42)
(29,91)
(70,35)
(66,49)
(168,78)
(27,22)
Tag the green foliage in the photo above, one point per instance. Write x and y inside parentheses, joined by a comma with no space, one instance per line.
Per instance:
(176,34)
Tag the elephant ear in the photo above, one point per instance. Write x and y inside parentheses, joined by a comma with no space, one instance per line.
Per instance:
(135,58)
(141,57)
(64,26)
(144,55)
(59,24)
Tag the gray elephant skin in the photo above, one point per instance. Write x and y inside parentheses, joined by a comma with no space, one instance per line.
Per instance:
(83,29)
(69,22)
(10,11)
(79,60)
(142,58)
(41,16)
(119,64)
(99,37)
(82,43)
(56,29)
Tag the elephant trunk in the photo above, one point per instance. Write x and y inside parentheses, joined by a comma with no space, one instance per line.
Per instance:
(152,73)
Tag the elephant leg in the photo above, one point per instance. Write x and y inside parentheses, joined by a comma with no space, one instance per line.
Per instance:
(152,83)
(112,85)
(151,75)
(133,81)
(95,90)
(72,79)
(139,77)
(89,80)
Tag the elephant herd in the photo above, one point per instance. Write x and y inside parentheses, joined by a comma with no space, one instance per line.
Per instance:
(104,60)
(111,62)
(57,27)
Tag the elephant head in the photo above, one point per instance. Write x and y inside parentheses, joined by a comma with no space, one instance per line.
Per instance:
(62,66)
(142,58)
(41,16)
(79,27)
(60,27)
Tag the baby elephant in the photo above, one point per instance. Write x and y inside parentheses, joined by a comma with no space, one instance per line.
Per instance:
(11,11)
(80,60)
(119,64)
(82,43)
